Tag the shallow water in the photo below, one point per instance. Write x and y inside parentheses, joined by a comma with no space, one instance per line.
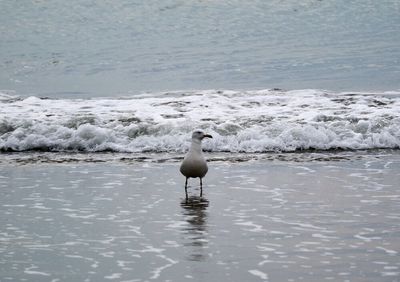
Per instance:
(260,220)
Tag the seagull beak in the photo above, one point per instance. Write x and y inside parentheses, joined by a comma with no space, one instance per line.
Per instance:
(207,136)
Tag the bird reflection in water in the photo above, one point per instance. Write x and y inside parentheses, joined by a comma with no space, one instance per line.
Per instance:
(194,210)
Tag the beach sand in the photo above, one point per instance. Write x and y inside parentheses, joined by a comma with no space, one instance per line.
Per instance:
(287,218)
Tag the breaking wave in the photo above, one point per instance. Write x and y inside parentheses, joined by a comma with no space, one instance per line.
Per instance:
(240,121)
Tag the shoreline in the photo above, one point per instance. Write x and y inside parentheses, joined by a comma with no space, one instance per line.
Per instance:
(36,157)
(316,220)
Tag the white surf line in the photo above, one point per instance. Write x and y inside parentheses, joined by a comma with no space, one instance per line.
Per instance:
(389,252)
(113,276)
(157,271)
(366,239)
(33,272)
(254,227)
(258,273)
(300,224)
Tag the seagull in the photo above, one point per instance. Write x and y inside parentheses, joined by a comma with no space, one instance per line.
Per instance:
(194,164)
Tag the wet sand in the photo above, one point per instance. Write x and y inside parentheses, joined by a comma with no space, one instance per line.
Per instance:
(258,220)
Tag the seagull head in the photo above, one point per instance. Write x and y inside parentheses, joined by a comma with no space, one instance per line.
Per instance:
(200,135)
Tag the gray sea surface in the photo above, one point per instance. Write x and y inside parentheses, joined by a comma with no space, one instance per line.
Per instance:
(112,48)
(120,216)
(276,217)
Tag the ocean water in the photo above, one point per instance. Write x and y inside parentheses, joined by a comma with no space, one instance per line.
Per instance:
(333,219)
(240,122)
(98,100)
(138,77)
(112,48)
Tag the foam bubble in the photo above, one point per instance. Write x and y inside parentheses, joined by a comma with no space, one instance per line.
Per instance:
(240,121)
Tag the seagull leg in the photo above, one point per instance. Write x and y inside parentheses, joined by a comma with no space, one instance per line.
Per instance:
(186,188)
(201,187)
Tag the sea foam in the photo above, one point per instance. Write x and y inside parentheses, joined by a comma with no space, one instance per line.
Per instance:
(240,121)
